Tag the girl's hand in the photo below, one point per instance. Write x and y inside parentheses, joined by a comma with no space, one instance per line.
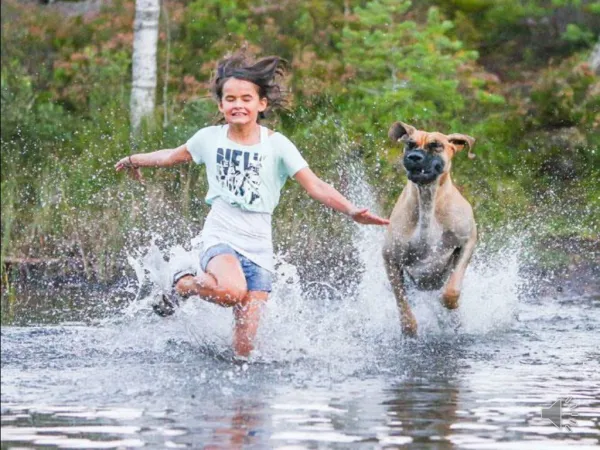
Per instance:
(366,218)
(132,170)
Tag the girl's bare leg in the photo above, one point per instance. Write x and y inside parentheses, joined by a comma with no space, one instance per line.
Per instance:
(247,318)
(223,282)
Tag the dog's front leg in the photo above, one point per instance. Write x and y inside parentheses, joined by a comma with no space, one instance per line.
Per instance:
(395,274)
(451,291)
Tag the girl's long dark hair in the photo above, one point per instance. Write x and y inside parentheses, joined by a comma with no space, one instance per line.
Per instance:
(266,73)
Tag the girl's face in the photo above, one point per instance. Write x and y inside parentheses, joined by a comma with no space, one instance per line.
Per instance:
(241,103)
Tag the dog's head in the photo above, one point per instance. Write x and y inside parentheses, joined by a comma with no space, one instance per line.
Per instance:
(428,155)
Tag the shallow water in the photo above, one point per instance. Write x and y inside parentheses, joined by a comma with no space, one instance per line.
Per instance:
(140,384)
(332,370)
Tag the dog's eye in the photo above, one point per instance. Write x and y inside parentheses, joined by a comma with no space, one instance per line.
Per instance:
(435,146)
(410,145)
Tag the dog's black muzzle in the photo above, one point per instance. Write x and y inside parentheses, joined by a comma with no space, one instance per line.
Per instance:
(422,167)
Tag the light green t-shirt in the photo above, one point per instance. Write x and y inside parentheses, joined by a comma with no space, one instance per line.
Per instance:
(247,176)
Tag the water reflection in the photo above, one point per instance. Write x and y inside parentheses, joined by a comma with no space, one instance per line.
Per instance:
(424,410)
(140,383)
(68,427)
(242,425)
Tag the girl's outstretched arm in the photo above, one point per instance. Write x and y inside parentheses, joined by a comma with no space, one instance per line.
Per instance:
(329,196)
(160,158)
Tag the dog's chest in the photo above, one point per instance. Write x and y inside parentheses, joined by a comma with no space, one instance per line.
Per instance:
(430,252)
(430,244)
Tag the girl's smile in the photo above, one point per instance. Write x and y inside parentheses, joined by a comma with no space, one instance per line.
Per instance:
(241,103)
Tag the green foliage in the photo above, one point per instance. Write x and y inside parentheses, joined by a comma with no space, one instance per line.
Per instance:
(575,35)
(565,95)
(26,113)
(495,70)
(214,25)
(405,70)
(522,35)
(594,7)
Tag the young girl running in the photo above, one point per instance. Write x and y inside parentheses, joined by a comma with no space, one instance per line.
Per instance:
(246,165)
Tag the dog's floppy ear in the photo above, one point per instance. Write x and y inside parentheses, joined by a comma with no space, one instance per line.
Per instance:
(460,140)
(398,130)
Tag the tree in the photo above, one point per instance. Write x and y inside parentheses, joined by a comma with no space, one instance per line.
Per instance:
(595,58)
(145,42)
(400,69)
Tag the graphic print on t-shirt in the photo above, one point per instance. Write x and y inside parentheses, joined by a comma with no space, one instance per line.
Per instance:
(238,172)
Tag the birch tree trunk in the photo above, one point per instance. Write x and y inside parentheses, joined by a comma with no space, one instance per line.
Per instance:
(145,42)
(595,58)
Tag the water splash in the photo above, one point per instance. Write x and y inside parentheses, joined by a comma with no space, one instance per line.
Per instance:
(316,321)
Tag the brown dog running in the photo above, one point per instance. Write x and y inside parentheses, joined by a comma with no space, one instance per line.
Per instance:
(432,232)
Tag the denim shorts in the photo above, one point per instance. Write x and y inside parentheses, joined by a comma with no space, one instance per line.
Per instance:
(257,278)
